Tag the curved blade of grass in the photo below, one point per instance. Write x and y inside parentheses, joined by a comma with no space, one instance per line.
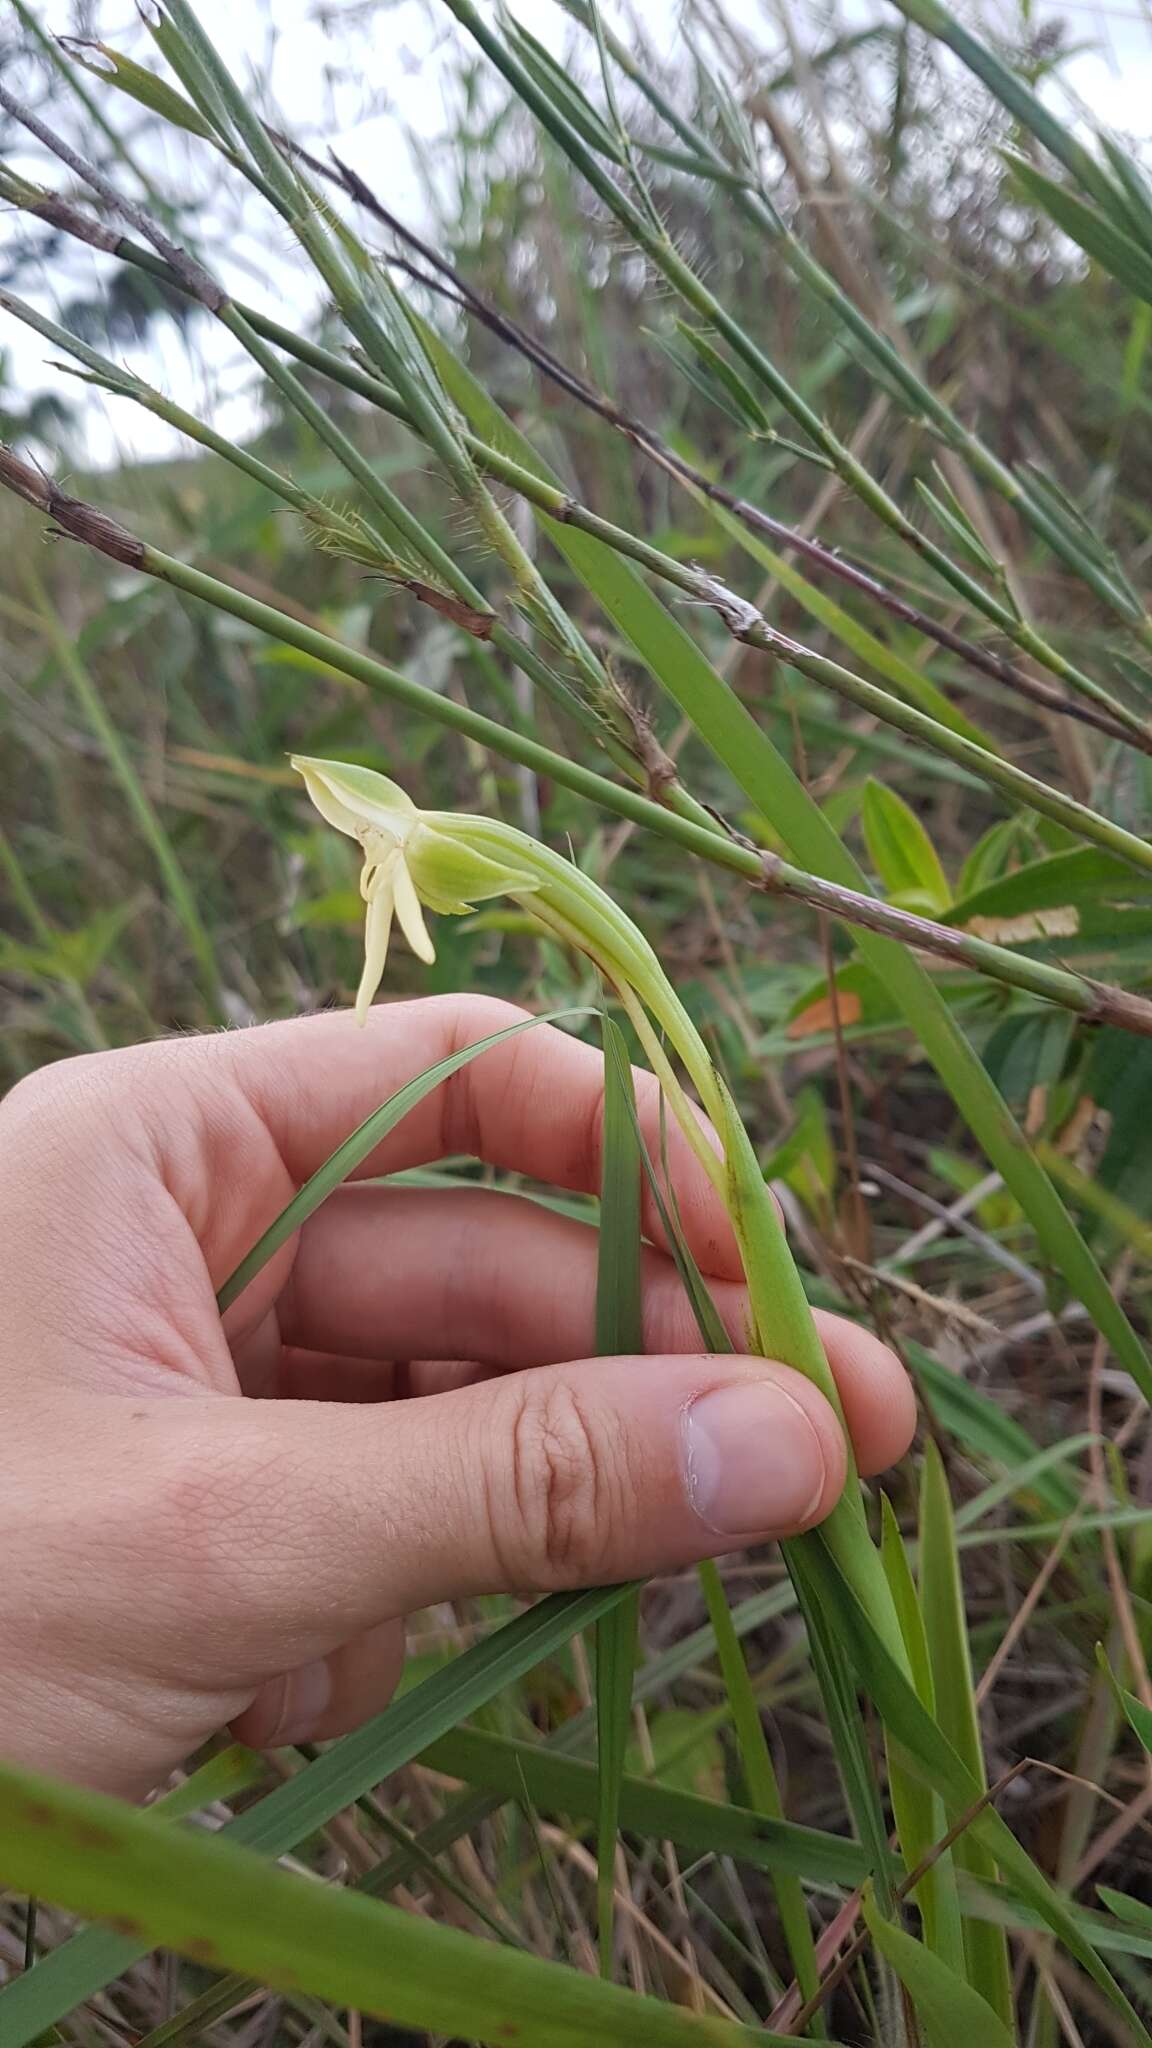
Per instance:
(619,1331)
(919,1814)
(361,1142)
(948,2009)
(213,1901)
(567,1785)
(946,1632)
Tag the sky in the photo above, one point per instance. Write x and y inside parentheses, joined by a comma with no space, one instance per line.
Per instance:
(368,80)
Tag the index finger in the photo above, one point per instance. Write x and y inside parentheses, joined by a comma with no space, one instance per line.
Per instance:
(533,1105)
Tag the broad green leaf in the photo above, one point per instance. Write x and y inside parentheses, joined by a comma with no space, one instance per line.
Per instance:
(1064,881)
(901,851)
(946,1632)
(219,1904)
(949,2009)
(1028,1052)
(989,856)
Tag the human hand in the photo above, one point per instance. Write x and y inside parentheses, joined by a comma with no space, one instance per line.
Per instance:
(177,1557)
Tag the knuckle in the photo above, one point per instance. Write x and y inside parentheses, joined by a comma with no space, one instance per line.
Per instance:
(562,1487)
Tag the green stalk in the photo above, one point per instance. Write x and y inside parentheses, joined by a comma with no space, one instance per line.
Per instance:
(151,830)
(663,253)
(742,619)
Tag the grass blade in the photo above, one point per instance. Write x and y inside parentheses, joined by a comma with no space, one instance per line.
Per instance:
(948,2009)
(946,1632)
(294,1811)
(357,1147)
(221,1904)
(918,1811)
(619,1331)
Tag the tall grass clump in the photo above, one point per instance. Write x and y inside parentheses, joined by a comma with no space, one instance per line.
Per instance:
(854,823)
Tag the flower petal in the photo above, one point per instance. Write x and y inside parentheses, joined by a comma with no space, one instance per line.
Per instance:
(377,929)
(449,875)
(351,797)
(409,913)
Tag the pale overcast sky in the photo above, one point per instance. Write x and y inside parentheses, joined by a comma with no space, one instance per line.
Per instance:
(323,86)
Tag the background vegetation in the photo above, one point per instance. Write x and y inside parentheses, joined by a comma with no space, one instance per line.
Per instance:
(844,335)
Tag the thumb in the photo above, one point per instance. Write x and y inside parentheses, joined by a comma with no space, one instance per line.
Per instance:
(597,1471)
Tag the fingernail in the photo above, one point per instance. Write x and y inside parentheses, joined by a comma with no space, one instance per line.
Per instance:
(752,1460)
(307,1694)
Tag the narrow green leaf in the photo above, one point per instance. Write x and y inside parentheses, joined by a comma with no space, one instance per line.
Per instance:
(1098,236)
(567,1786)
(294,1811)
(928,1750)
(1136,1714)
(561,88)
(138,82)
(357,1147)
(619,1331)
(213,1901)
(759,1773)
(949,2010)
(946,1631)
(959,528)
(918,1810)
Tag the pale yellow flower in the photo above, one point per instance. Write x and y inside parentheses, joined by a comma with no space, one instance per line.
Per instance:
(405,860)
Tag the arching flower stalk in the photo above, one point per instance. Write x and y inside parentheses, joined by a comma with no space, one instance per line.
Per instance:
(448,861)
